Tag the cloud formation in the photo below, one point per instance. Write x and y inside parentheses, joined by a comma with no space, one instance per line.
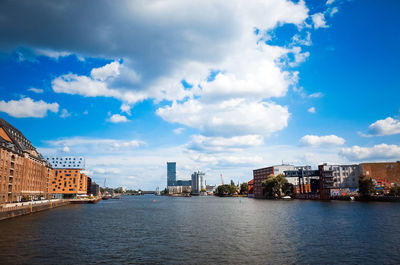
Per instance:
(311,110)
(228,118)
(327,140)
(319,21)
(222,144)
(376,152)
(116,118)
(388,126)
(27,107)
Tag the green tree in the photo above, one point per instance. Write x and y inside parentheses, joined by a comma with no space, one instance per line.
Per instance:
(288,189)
(275,186)
(394,191)
(225,190)
(366,186)
(244,188)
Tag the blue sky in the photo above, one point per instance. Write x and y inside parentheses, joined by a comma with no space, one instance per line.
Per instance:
(223,87)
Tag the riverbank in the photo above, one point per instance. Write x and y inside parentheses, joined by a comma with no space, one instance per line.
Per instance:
(23,208)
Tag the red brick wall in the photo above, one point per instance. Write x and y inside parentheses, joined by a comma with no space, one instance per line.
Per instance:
(258,176)
(389,171)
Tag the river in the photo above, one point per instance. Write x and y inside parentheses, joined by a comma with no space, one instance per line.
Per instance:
(205,230)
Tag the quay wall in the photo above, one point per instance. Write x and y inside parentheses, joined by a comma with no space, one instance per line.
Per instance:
(15,211)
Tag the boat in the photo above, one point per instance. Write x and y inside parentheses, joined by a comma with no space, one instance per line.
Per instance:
(286,197)
(116,196)
(106,196)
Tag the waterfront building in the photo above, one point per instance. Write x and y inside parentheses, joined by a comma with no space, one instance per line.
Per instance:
(171,174)
(384,174)
(95,189)
(179,189)
(325,182)
(210,188)
(89,185)
(250,188)
(67,162)
(261,174)
(175,186)
(305,180)
(24,173)
(183,183)
(198,182)
(121,189)
(344,176)
(68,181)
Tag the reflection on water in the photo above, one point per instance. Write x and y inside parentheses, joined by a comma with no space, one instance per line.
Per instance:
(205,230)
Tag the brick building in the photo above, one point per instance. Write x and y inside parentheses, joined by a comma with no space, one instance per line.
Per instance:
(24,173)
(68,183)
(259,175)
(385,174)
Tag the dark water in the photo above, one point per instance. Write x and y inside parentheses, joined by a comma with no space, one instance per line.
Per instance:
(205,230)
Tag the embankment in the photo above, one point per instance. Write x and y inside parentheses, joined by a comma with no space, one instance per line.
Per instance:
(28,208)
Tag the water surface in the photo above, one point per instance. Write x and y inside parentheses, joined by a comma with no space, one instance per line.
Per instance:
(205,230)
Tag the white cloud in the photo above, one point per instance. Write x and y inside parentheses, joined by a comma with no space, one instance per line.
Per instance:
(105,72)
(311,110)
(83,144)
(66,149)
(65,113)
(116,118)
(51,53)
(298,39)
(327,140)
(180,51)
(388,126)
(319,20)
(223,144)
(381,151)
(316,95)
(109,80)
(329,2)
(179,130)
(333,11)
(299,57)
(230,117)
(27,107)
(126,108)
(36,90)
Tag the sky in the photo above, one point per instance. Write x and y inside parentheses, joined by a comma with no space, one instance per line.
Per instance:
(224,87)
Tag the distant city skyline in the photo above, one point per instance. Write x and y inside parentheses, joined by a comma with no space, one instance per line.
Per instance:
(214,86)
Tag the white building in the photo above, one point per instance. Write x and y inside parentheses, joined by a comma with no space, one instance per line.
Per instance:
(344,176)
(198,182)
(76,162)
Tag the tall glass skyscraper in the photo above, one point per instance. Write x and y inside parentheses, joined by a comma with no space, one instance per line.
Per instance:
(171,173)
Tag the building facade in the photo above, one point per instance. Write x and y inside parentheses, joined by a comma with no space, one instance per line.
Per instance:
(171,173)
(384,173)
(198,182)
(304,179)
(261,174)
(94,189)
(68,183)
(24,173)
(179,189)
(66,162)
(344,176)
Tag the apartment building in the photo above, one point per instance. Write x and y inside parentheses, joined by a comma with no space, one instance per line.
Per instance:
(24,173)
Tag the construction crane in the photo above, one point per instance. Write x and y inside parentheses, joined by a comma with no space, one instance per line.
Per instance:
(222,179)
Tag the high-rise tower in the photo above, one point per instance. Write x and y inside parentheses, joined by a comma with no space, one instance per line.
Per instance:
(171,173)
